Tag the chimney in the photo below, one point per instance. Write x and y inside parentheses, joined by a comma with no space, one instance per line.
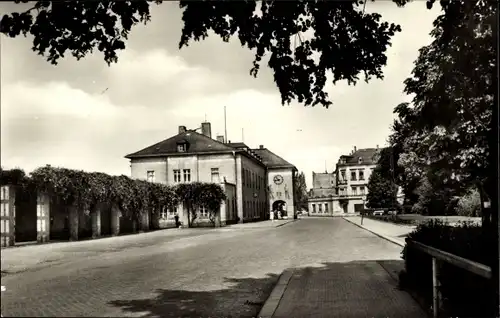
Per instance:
(354,148)
(182,129)
(377,146)
(220,139)
(261,146)
(206,129)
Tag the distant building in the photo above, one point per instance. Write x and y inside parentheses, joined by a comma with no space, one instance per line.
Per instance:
(353,172)
(323,194)
(344,190)
(254,180)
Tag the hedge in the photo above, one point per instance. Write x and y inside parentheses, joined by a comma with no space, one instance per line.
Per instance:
(87,189)
(464,294)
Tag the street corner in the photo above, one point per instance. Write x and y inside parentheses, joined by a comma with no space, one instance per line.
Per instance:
(272,302)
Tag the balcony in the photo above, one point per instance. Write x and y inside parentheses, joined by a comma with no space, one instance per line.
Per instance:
(342,181)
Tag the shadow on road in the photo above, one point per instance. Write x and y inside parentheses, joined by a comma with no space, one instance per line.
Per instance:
(244,298)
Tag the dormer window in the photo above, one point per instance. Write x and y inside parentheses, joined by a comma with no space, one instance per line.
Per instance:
(360,160)
(181,147)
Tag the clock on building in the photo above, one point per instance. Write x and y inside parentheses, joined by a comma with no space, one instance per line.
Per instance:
(278,179)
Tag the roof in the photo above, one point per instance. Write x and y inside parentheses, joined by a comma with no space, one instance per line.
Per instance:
(198,143)
(272,160)
(368,157)
(237,145)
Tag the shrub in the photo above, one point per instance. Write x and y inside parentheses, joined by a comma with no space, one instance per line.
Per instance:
(391,219)
(463,293)
(469,204)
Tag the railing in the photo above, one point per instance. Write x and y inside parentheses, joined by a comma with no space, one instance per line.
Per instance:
(439,255)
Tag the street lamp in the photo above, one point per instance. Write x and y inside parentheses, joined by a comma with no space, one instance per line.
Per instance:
(363,210)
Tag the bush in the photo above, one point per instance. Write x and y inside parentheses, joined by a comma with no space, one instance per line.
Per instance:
(470,204)
(464,294)
(391,219)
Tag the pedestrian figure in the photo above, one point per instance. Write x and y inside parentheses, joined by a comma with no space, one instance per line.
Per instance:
(176,218)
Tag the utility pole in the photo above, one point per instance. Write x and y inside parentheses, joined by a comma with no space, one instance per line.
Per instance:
(225,127)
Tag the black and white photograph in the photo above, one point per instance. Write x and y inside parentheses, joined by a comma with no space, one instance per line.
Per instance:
(270,159)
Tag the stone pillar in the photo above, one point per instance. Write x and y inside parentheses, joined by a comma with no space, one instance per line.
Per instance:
(8,215)
(95,216)
(145,221)
(183,215)
(74,223)
(115,220)
(43,217)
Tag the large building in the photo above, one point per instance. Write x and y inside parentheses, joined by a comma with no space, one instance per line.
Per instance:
(344,190)
(256,181)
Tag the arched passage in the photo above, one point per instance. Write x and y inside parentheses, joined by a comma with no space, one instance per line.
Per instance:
(280,208)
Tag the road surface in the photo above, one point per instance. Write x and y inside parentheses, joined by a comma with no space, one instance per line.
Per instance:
(179,273)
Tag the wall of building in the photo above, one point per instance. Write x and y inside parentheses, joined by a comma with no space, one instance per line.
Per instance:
(225,164)
(253,193)
(283,191)
(329,207)
(323,180)
(326,192)
(140,167)
(228,209)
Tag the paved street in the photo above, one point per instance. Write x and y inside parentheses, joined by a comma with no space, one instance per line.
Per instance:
(181,273)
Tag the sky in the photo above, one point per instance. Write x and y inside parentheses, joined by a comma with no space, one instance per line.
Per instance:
(88,115)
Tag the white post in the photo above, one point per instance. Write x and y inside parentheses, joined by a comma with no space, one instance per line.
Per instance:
(435,287)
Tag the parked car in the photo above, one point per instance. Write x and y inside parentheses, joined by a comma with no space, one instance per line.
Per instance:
(378,212)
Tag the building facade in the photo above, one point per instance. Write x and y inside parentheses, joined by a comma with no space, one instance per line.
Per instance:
(353,172)
(190,156)
(344,190)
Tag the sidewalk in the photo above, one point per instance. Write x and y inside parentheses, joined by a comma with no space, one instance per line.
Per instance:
(394,233)
(354,289)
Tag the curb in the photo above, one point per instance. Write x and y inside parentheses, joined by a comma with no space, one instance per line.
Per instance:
(286,223)
(387,238)
(274,298)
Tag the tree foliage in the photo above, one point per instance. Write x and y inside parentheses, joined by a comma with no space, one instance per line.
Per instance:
(196,195)
(443,136)
(300,191)
(382,191)
(346,40)
(12,176)
(85,190)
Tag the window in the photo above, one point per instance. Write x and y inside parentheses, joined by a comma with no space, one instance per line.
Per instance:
(172,211)
(362,190)
(320,206)
(163,213)
(326,207)
(187,175)
(353,175)
(203,213)
(215,175)
(151,176)
(361,175)
(252,180)
(314,208)
(342,175)
(342,191)
(177,175)
(360,160)
(278,194)
(181,147)
(354,191)
(243,176)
